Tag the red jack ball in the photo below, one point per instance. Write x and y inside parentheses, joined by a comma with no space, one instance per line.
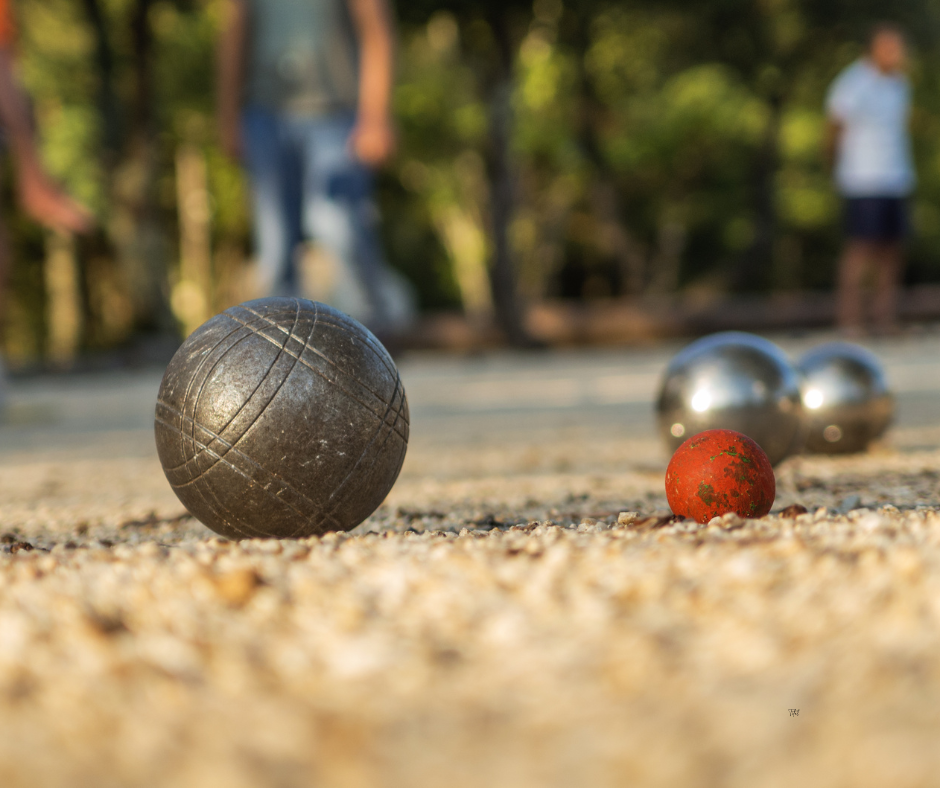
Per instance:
(720,471)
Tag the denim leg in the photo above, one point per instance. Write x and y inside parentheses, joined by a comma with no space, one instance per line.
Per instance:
(274,167)
(339,213)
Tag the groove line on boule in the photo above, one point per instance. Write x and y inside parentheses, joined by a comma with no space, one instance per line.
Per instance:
(230,450)
(317,352)
(262,410)
(391,430)
(192,380)
(205,381)
(261,382)
(328,379)
(370,341)
(199,487)
(253,481)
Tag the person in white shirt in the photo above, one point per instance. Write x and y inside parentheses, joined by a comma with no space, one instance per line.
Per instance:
(868,143)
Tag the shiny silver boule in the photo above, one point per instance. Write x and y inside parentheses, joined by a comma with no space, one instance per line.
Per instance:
(733,381)
(847,403)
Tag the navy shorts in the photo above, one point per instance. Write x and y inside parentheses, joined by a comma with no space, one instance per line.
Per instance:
(881,219)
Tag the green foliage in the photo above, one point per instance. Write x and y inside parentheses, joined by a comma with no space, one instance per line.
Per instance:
(671,104)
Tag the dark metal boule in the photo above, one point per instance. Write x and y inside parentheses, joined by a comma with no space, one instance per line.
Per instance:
(281,418)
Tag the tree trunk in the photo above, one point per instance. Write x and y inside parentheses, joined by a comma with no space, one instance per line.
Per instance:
(192,295)
(64,300)
(614,238)
(142,246)
(466,243)
(130,166)
(108,107)
(502,190)
(755,265)
(670,245)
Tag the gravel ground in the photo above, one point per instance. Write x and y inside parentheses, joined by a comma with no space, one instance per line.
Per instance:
(498,622)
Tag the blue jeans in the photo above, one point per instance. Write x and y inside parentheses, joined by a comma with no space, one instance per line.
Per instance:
(306,183)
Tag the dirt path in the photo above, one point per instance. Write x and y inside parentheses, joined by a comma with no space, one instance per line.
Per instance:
(492,625)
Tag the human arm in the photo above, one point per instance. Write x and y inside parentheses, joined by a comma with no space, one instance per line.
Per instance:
(842,105)
(230,75)
(373,137)
(832,141)
(40,196)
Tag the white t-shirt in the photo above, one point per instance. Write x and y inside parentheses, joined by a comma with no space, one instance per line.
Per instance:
(874,157)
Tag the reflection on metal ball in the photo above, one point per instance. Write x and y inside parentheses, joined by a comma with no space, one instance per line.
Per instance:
(846,400)
(281,418)
(733,381)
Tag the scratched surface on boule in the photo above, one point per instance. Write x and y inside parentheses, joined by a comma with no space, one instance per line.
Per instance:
(281,418)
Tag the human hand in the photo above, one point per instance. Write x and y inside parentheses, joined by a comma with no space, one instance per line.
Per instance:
(373,141)
(230,134)
(45,202)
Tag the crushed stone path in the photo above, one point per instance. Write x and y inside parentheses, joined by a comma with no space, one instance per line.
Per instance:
(520,612)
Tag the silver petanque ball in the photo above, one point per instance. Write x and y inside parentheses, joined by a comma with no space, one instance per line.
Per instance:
(846,400)
(733,381)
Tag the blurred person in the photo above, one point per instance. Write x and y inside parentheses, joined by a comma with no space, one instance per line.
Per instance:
(868,143)
(304,90)
(39,196)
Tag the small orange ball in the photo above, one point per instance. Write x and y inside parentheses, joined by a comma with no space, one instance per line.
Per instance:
(720,471)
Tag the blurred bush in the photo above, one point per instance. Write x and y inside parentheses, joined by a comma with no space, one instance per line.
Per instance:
(651,147)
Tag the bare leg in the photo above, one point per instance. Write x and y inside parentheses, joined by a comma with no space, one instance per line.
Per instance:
(852,268)
(889,263)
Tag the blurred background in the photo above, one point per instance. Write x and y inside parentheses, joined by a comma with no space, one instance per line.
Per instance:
(568,171)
